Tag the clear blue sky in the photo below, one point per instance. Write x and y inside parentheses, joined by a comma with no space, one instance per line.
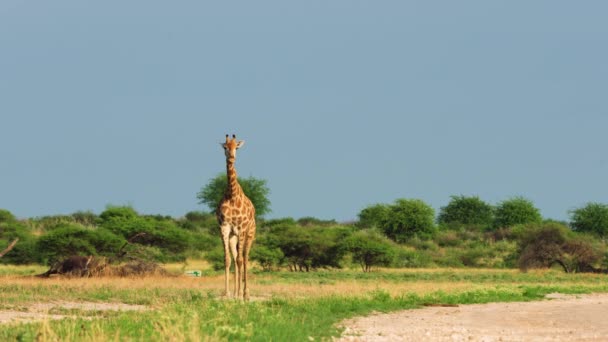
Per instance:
(342,104)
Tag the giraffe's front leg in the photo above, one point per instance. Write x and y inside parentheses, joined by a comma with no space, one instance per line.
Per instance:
(225,229)
(234,250)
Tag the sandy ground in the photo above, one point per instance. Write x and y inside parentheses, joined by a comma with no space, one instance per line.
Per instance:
(40,311)
(560,318)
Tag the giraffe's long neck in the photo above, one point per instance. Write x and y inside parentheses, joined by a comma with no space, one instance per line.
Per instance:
(233,187)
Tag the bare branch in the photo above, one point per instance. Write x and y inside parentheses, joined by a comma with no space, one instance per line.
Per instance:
(8,249)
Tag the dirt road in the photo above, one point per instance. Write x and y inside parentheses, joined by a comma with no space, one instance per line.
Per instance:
(560,318)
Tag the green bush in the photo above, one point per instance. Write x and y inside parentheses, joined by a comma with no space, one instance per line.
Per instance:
(514,211)
(409,257)
(373,216)
(370,248)
(11,229)
(203,242)
(468,211)
(6,216)
(114,212)
(72,239)
(158,232)
(268,258)
(313,221)
(200,221)
(408,218)
(278,222)
(47,223)
(592,218)
(308,247)
(85,218)
(448,238)
(215,257)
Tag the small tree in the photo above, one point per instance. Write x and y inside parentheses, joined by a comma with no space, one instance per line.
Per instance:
(6,216)
(256,189)
(117,212)
(517,210)
(268,258)
(370,248)
(73,239)
(373,216)
(552,243)
(463,210)
(592,218)
(306,247)
(407,218)
(12,230)
(160,232)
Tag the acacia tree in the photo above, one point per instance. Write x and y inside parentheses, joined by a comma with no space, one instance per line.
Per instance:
(541,246)
(255,188)
(370,248)
(373,216)
(517,210)
(592,218)
(463,210)
(407,218)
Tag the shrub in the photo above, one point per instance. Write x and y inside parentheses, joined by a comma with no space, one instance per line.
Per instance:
(373,216)
(215,257)
(313,221)
(159,232)
(6,216)
(76,240)
(11,229)
(268,258)
(469,211)
(308,247)
(370,248)
(408,218)
(202,242)
(448,238)
(279,222)
(592,218)
(409,257)
(199,221)
(85,218)
(47,223)
(545,245)
(516,211)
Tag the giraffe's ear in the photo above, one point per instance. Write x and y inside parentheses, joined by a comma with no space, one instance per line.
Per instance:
(240,144)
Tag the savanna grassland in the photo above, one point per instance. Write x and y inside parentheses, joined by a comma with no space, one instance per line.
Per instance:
(296,306)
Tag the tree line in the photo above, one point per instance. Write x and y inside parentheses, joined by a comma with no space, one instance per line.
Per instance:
(467,232)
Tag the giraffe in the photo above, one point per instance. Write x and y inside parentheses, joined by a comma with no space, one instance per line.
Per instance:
(236,216)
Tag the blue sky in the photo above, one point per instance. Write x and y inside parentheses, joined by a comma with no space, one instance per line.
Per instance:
(342,104)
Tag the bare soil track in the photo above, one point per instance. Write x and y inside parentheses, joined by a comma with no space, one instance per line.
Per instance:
(41,311)
(560,318)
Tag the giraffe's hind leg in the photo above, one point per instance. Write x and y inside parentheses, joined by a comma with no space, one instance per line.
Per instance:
(225,241)
(234,250)
(246,248)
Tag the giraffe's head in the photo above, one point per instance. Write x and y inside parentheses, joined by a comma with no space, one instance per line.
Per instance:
(230,147)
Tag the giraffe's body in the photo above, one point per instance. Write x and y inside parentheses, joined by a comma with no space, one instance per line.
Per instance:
(236,216)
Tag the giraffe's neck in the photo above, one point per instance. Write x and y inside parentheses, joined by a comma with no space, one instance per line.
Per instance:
(233,187)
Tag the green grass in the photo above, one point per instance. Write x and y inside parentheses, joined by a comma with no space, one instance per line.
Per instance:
(194,315)
(435,276)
